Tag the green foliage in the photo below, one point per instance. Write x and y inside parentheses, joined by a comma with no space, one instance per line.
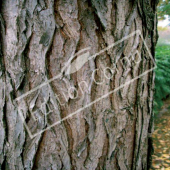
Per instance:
(163,9)
(162,79)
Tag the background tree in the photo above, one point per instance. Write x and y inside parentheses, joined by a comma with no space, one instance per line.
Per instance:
(163,9)
(37,39)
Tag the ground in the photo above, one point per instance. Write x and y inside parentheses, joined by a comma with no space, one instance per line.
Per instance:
(161,139)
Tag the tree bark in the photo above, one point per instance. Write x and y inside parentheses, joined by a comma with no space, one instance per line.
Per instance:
(37,39)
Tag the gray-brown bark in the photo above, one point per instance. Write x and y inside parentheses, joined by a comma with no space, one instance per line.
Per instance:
(37,38)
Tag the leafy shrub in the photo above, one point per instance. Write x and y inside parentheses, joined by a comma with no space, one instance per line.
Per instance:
(162,79)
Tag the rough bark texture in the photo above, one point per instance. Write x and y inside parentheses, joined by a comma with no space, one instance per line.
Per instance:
(37,39)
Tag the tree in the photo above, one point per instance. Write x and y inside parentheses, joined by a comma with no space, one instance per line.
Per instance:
(38,38)
(163,9)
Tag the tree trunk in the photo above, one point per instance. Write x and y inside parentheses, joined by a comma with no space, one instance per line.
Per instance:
(57,113)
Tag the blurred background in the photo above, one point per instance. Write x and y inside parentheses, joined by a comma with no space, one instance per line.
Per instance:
(161,135)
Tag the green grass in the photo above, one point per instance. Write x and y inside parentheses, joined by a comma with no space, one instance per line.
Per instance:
(162,79)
